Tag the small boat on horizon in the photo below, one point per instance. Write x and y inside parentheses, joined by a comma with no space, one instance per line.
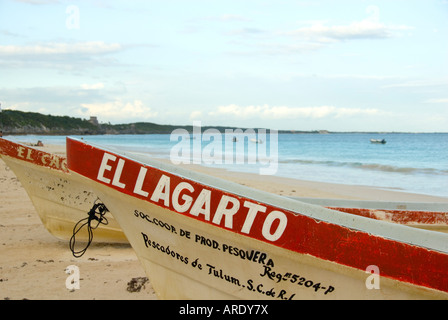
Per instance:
(199,237)
(379,141)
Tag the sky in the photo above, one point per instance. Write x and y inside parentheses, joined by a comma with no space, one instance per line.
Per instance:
(284,64)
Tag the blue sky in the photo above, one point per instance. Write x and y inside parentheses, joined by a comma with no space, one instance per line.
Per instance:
(283,64)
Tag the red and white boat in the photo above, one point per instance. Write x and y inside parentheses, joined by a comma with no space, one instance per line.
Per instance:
(199,237)
(60,201)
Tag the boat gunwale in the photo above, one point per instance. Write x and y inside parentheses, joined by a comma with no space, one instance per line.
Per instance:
(30,157)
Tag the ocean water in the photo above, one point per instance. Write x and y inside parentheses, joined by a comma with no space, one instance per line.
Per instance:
(411,162)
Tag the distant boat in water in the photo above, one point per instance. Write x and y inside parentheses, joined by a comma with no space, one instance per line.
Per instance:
(381,141)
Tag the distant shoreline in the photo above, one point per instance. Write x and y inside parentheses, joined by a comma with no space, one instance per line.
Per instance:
(5,134)
(16,123)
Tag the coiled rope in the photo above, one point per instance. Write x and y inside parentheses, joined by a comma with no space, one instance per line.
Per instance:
(97,213)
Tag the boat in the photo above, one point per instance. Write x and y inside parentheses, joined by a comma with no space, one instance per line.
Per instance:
(199,237)
(423,215)
(379,141)
(59,201)
(46,180)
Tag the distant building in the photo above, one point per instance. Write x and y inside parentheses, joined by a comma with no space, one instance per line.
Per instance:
(94,121)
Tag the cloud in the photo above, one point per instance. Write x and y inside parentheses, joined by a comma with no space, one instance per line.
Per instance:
(10,34)
(62,96)
(287,49)
(38,2)
(59,55)
(94,86)
(285,112)
(196,115)
(247,31)
(108,103)
(55,48)
(117,110)
(368,28)
(227,18)
(313,35)
(443,100)
(419,83)
(60,100)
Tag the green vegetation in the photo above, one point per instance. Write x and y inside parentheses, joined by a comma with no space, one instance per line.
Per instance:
(14,122)
(18,122)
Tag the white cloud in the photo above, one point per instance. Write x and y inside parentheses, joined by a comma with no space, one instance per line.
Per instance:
(314,35)
(419,83)
(368,28)
(38,2)
(196,115)
(55,48)
(443,100)
(95,86)
(229,17)
(285,112)
(59,55)
(119,111)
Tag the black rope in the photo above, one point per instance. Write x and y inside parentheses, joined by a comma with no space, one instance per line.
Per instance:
(95,214)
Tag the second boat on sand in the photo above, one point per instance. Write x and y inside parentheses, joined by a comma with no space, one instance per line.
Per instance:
(60,201)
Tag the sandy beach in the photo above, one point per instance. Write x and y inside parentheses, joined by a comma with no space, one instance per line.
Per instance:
(33,262)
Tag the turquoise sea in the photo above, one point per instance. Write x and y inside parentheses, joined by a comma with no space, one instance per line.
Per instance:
(412,162)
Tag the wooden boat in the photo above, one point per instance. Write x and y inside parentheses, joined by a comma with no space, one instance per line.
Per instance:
(381,141)
(199,237)
(429,216)
(59,201)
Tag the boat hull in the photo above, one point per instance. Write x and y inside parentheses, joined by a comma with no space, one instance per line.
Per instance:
(195,246)
(187,260)
(59,200)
